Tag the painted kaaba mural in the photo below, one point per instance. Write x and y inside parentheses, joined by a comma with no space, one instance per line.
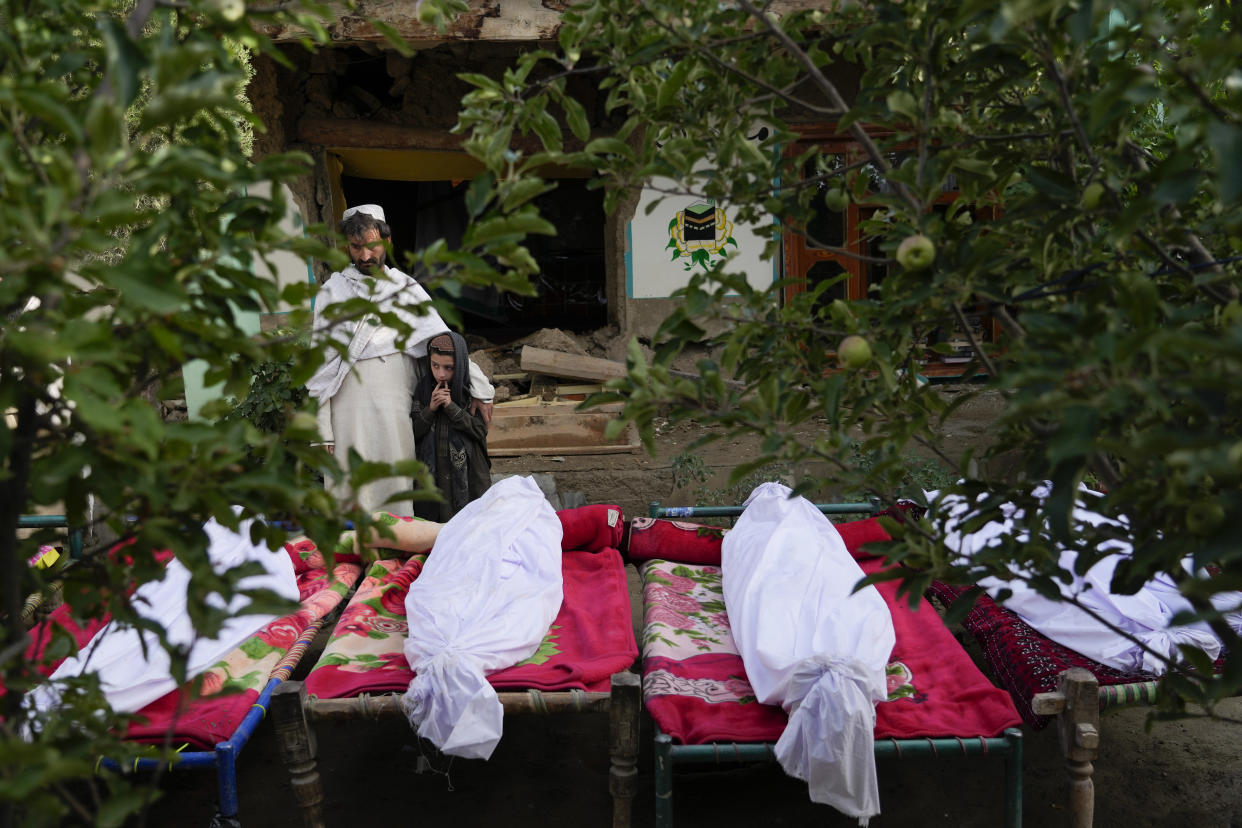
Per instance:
(699,234)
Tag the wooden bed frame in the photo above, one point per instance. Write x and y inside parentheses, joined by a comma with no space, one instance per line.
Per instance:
(293,713)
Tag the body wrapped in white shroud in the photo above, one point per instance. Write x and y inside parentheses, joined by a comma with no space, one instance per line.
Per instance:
(490,590)
(810,645)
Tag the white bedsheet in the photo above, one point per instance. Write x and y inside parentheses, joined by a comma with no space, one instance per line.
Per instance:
(490,590)
(1146,615)
(808,644)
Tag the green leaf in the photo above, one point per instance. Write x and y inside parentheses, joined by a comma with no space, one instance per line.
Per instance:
(517,193)
(962,605)
(392,37)
(47,108)
(901,102)
(1226,142)
(125,61)
(116,808)
(157,296)
(479,193)
(548,130)
(674,83)
(576,117)
(609,146)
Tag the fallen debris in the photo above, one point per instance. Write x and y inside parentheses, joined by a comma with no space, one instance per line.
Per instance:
(571,366)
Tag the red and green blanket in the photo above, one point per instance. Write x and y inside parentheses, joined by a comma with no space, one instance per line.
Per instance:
(591,638)
(694,683)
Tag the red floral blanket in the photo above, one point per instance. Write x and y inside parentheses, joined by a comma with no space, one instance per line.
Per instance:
(591,638)
(695,686)
(198,719)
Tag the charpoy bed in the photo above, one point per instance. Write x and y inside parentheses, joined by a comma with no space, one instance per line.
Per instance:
(581,666)
(1050,682)
(209,726)
(695,686)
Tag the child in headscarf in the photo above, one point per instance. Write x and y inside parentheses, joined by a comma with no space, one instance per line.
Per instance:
(448,438)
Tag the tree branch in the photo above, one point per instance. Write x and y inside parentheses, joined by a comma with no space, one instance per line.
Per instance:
(829,89)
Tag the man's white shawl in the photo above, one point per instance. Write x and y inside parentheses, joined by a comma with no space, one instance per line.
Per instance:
(484,601)
(392,292)
(132,678)
(809,644)
(1145,615)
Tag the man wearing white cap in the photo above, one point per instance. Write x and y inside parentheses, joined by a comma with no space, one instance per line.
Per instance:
(364,397)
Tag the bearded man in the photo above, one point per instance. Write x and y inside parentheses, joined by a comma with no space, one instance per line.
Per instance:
(364,396)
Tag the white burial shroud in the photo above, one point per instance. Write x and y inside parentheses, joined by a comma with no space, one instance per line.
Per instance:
(484,601)
(132,679)
(809,644)
(1146,615)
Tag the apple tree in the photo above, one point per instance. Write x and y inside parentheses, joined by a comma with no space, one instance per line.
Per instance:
(137,231)
(1096,153)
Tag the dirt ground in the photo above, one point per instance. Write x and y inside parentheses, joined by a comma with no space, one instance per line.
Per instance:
(554,771)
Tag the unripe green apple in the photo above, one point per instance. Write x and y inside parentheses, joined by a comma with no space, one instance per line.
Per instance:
(841,312)
(1203,517)
(1091,195)
(836,199)
(916,252)
(228,10)
(854,352)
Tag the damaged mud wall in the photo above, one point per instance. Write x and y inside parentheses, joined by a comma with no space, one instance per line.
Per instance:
(341,103)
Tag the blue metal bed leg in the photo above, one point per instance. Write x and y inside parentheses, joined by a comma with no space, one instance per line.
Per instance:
(663,780)
(1013,779)
(226,784)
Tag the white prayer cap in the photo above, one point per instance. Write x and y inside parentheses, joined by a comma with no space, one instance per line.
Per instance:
(373,210)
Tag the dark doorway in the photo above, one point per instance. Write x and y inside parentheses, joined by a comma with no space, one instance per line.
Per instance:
(570,283)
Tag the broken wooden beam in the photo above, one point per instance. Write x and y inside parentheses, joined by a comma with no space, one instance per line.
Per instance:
(560,364)
(575,366)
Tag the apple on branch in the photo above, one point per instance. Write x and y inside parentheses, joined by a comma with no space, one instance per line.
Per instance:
(916,252)
(854,352)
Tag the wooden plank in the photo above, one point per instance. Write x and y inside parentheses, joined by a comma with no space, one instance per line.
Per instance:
(531,401)
(554,451)
(353,132)
(525,399)
(556,429)
(572,366)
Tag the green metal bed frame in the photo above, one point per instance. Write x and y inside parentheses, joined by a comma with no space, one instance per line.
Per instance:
(668,755)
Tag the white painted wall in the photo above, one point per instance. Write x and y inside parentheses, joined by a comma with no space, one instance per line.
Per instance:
(653,271)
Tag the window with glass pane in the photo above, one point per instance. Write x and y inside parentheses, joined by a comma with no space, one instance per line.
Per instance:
(823,271)
(826,229)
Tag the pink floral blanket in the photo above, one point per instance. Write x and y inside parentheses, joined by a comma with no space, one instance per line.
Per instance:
(695,686)
(591,638)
